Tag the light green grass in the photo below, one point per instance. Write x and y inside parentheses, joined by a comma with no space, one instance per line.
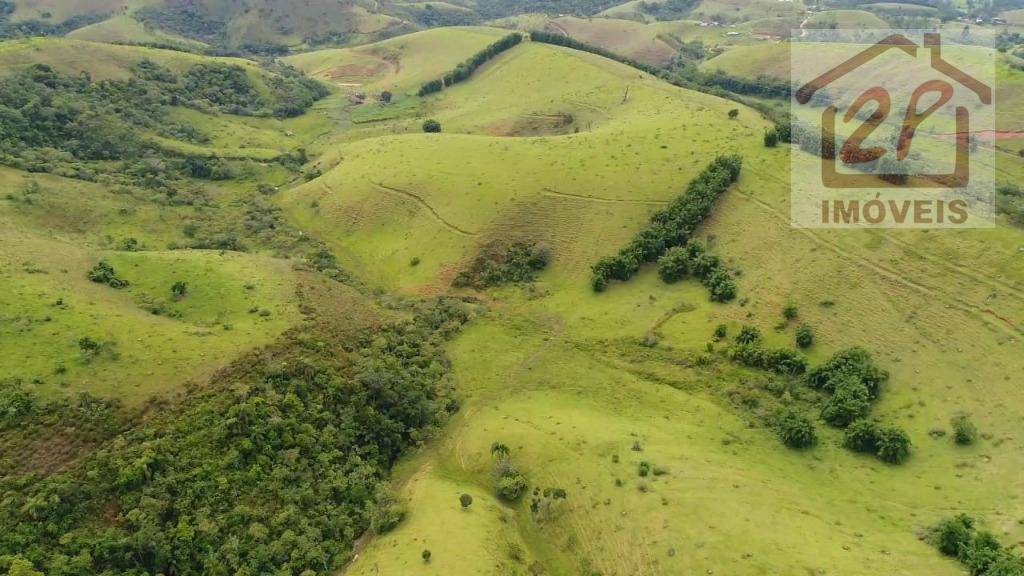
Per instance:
(846,19)
(49,304)
(397,64)
(558,373)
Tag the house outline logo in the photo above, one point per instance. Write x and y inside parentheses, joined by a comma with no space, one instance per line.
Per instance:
(851,153)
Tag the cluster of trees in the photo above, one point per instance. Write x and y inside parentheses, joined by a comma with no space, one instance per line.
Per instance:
(491,9)
(978,550)
(464,70)
(749,351)
(276,471)
(53,122)
(678,262)
(674,226)
(497,264)
(83,417)
(509,483)
(186,19)
(103,273)
(853,382)
(669,9)
(569,42)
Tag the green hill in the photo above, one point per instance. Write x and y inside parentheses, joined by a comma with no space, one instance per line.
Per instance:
(327,334)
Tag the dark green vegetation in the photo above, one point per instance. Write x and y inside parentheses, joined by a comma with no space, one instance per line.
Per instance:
(795,430)
(463,71)
(26,28)
(978,550)
(499,264)
(74,126)
(1010,201)
(674,226)
(509,483)
(276,469)
(678,262)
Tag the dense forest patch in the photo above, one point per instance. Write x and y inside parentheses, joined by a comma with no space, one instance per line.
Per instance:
(276,469)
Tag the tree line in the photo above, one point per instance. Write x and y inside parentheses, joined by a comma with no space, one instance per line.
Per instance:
(464,70)
(674,226)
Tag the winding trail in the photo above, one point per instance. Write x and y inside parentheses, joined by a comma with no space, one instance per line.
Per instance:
(550,192)
(423,204)
(953,301)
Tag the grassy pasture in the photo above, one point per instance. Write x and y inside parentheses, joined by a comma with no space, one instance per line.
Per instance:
(559,374)
(846,19)
(397,64)
(123,28)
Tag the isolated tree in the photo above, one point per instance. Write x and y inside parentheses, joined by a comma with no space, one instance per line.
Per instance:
(466,500)
(804,336)
(734,113)
(721,331)
(790,311)
(893,445)
(432,126)
(426,556)
(964,431)
(500,450)
(771,138)
(850,401)
(796,430)
(385,97)
(861,436)
(179,289)
(953,534)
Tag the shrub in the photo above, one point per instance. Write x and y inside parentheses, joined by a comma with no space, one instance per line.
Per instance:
(893,445)
(431,126)
(771,138)
(778,360)
(804,336)
(748,335)
(790,311)
(795,430)
(861,436)
(497,264)
(512,486)
(853,361)
(674,264)
(103,273)
(980,552)
(466,501)
(953,534)
(734,113)
(384,512)
(964,431)
(721,331)
(426,556)
(850,401)
(178,290)
(644,469)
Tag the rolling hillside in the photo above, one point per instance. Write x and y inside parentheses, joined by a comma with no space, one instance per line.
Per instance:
(562,377)
(259,312)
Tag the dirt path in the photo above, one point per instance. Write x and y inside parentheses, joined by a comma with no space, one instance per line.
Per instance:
(423,203)
(970,308)
(550,192)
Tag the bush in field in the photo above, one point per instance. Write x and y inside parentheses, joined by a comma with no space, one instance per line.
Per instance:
(431,126)
(511,487)
(465,501)
(771,138)
(861,436)
(804,336)
(179,290)
(795,430)
(748,335)
(103,273)
(790,311)
(721,331)
(893,445)
(851,361)
(498,264)
(964,431)
(953,534)
(426,556)
(850,401)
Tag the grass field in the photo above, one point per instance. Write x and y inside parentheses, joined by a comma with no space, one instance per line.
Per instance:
(846,20)
(562,377)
